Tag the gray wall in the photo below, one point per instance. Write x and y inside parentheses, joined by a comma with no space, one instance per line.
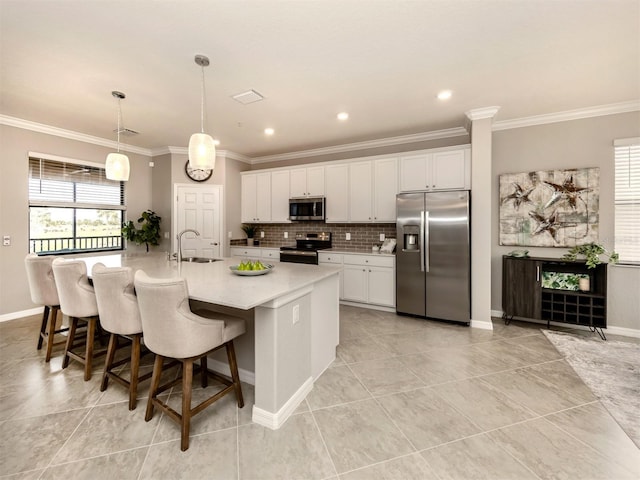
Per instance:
(14,200)
(572,144)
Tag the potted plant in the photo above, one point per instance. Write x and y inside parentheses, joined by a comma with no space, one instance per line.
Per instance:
(591,252)
(250,231)
(149,232)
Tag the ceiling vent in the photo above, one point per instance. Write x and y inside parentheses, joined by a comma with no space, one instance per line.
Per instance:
(247,97)
(126,132)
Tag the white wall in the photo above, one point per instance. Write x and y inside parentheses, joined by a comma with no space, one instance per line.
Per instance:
(572,144)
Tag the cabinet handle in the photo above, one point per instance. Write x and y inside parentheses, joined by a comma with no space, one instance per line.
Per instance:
(537,273)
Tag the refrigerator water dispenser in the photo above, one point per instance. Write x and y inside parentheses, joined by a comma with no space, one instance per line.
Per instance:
(411,236)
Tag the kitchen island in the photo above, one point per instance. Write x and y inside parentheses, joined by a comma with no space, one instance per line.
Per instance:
(296,310)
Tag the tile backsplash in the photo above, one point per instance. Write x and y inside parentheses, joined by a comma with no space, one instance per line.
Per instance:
(363,235)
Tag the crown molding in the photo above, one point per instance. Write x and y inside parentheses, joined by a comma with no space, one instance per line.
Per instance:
(350,147)
(481,113)
(476,114)
(577,114)
(185,151)
(71,135)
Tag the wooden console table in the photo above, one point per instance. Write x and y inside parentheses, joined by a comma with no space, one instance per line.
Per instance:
(523,294)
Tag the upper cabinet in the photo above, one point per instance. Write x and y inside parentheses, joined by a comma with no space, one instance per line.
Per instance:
(280,181)
(256,197)
(307,182)
(440,170)
(373,186)
(337,194)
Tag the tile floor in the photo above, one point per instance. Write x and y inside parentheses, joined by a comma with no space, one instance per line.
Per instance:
(406,399)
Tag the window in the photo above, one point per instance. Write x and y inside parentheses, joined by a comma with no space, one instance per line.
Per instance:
(627,200)
(73,207)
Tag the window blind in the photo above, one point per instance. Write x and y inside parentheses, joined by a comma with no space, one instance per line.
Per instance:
(59,184)
(627,200)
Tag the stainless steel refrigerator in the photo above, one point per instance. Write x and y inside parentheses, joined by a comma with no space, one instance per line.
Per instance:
(433,258)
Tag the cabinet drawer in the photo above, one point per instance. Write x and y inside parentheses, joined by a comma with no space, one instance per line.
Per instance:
(271,253)
(329,257)
(245,252)
(372,260)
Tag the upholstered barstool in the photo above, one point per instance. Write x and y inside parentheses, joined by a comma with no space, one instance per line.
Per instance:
(42,286)
(172,330)
(119,315)
(78,302)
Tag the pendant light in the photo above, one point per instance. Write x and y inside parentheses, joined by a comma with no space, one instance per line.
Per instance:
(202,149)
(117,165)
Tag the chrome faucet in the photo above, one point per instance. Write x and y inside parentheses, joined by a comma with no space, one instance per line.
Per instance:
(179,237)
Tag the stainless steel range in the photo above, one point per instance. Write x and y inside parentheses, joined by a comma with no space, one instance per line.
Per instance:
(306,249)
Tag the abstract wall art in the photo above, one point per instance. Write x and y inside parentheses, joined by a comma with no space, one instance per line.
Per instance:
(555,208)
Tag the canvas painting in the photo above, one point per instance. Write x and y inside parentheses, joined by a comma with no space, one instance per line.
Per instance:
(555,208)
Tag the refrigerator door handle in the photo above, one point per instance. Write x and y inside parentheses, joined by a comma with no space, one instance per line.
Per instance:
(425,241)
(421,246)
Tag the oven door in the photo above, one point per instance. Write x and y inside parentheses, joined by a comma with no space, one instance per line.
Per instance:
(299,256)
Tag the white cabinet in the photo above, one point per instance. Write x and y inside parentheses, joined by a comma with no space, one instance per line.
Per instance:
(360,192)
(440,170)
(270,254)
(366,279)
(307,182)
(325,258)
(280,196)
(337,192)
(244,252)
(385,188)
(256,197)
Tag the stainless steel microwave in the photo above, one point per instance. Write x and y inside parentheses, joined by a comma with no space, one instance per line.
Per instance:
(306,208)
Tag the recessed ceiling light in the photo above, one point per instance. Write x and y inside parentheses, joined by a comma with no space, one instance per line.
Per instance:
(343,116)
(444,95)
(269,131)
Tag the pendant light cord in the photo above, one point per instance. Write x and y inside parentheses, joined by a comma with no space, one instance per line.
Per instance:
(119,120)
(202,94)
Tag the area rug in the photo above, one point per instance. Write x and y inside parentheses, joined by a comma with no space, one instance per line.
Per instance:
(611,369)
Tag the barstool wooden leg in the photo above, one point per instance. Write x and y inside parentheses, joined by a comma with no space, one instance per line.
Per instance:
(187,381)
(204,376)
(43,327)
(91,332)
(70,339)
(135,368)
(233,366)
(108,362)
(53,319)
(155,383)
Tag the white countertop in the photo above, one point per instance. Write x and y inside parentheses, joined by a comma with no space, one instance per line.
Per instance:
(214,282)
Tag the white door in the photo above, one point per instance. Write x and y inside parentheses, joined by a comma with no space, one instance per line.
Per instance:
(200,208)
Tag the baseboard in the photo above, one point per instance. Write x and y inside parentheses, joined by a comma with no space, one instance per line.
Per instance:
(482,324)
(275,420)
(369,306)
(23,313)
(245,375)
(612,329)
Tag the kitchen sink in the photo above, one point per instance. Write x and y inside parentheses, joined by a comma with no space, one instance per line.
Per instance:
(201,259)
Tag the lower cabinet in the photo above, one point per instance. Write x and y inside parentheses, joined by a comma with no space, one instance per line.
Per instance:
(245,252)
(368,279)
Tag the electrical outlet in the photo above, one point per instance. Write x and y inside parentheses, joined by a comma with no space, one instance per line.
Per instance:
(296,314)
(382,237)
(166,234)
(261,234)
(6,240)
(286,234)
(230,235)
(347,236)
